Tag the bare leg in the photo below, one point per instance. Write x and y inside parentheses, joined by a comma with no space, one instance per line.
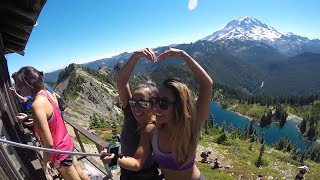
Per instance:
(83,175)
(69,173)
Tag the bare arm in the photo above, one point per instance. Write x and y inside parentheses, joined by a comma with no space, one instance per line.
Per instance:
(125,72)
(144,149)
(21,98)
(203,102)
(39,111)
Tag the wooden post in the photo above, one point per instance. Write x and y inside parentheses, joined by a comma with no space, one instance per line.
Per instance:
(79,140)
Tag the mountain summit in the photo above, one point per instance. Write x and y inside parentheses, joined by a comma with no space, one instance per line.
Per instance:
(248,28)
(245,28)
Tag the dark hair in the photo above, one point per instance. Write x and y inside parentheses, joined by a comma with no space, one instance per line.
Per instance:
(30,77)
(151,86)
(14,75)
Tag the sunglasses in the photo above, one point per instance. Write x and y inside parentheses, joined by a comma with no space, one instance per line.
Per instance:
(163,104)
(141,103)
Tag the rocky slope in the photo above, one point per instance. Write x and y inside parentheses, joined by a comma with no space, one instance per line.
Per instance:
(88,92)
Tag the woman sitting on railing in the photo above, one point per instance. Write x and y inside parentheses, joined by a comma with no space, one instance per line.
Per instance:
(48,125)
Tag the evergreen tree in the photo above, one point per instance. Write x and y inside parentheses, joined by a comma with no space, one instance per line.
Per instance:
(206,127)
(251,128)
(259,161)
(262,139)
(288,149)
(283,118)
(269,117)
(222,138)
(311,134)
(210,120)
(263,121)
(252,139)
(223,127)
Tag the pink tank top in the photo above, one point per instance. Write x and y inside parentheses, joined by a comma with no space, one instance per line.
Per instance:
(60,136)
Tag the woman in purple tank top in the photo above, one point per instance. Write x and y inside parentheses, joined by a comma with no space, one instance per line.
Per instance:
(49,125)
(179,120)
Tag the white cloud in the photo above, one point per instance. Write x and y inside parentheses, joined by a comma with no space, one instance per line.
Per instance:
(192,4)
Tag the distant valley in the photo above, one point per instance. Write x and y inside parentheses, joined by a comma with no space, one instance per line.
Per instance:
(242,55)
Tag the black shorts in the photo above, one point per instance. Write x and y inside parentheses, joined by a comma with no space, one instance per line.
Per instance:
(67,161)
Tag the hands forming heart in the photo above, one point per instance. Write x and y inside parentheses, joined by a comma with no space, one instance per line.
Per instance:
(152,55)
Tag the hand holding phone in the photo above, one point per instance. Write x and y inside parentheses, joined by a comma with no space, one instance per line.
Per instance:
(112,160)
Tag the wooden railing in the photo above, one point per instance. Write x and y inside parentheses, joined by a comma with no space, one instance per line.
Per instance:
(100,144)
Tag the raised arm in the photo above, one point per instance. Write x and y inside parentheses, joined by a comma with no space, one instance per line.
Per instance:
(21,98)
(203,102)
(125,72)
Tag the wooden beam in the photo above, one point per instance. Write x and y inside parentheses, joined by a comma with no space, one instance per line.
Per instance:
(22,44)
(12,35)
(30,16)
(22,35)
(10,50)
(13,46)
(18,27)
(79,140)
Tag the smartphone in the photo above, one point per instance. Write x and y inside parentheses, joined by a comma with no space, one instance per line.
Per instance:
(115,149)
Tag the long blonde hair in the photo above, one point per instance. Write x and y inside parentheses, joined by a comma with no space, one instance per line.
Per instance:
(184,136)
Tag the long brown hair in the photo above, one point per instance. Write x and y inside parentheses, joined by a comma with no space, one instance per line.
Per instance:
(30,77)
(184,136)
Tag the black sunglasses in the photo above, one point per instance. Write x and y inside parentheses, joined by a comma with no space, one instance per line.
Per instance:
(142,103)
(163,104)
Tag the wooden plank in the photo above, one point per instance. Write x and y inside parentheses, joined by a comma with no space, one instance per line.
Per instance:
(16,32)
(29,16)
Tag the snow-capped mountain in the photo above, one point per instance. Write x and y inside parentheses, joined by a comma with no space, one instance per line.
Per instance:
(248,28)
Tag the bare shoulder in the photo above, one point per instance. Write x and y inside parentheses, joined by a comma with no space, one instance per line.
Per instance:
(149,128)
(39,102)
(148,132)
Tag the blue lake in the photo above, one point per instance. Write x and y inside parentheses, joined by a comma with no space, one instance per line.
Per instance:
(272,133)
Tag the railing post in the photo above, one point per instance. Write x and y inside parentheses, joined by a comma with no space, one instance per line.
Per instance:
(79,140)
(99,147)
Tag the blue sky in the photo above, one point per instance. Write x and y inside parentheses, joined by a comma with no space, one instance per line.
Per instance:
(85,30)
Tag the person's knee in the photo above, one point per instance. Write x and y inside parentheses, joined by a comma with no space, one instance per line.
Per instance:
(69,172)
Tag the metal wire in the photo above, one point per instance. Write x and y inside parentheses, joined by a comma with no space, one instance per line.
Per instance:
(26,146)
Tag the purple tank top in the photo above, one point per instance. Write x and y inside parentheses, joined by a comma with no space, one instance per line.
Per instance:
(165,160)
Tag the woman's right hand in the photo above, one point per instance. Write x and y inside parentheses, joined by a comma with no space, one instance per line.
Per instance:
(148,53)
(22,116)
(12,89)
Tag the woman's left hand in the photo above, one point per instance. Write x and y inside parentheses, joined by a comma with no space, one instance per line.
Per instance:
(171,52)
(107,159)
(47,171)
